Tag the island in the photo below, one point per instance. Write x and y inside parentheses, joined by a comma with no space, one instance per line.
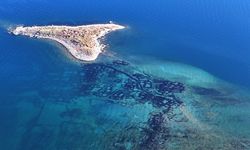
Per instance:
(83,42)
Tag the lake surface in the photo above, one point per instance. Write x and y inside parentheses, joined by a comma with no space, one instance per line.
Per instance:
(177,77)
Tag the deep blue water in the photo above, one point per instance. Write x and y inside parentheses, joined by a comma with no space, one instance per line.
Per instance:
(215,33)
(211,35)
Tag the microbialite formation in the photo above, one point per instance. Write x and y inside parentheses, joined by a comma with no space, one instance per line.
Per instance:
(112,82)
(119,84)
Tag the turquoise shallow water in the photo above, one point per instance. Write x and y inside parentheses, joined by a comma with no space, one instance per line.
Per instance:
(176,78)
(103,106)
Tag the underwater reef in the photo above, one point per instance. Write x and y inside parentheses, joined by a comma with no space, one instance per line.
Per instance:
(111,82)
(103,80)
(115,106)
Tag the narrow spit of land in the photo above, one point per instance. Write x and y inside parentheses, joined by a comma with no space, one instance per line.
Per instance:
(81,41)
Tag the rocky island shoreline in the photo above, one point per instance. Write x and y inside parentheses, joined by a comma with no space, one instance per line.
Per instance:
(83,42)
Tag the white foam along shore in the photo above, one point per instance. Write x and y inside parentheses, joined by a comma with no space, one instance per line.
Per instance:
(83,42)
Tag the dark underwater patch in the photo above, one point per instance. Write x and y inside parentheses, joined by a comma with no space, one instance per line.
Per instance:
(156,133)
(104,80)
(115,82)
(206,91)
(216,95)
